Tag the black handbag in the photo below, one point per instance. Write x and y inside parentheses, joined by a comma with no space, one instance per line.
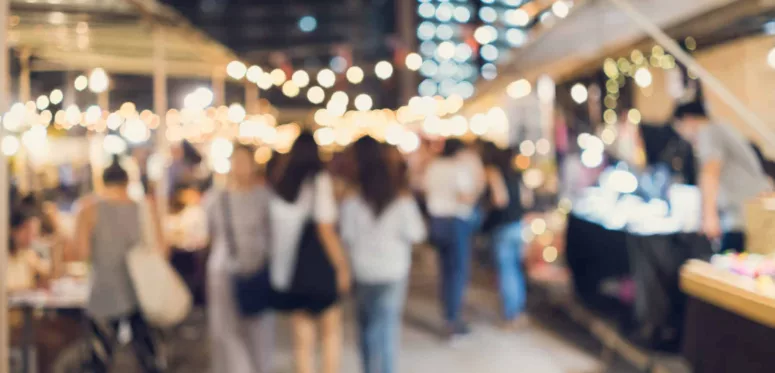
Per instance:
(314,276)
(253,291)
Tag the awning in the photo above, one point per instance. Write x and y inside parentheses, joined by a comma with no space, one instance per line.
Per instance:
(116,35)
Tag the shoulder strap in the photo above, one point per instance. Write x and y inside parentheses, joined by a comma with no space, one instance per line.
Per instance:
(231,243)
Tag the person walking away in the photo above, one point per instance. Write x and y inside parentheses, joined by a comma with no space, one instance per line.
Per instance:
(379,226)
(239,344)
(471,160)
(450,194)
(730,174)
(107,228)
(505,223)
(304,215)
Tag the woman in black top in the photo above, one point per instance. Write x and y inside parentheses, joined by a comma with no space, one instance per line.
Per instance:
(505,219)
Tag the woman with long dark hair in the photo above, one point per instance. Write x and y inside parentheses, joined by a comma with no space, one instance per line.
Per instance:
(239,235)
(309,267)
(505,223)
(451,192)
(379,226)
(107,228)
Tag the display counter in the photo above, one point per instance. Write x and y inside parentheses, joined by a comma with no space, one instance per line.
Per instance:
(730,321)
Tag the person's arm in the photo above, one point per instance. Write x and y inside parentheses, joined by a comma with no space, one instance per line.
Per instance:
(80,249)
(325,217)
(710,176)
(414,224)
(499,194)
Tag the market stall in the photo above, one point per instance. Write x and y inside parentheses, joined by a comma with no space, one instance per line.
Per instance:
(730,317)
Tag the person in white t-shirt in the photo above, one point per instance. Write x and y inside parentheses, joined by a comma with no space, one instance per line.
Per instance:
(451,193)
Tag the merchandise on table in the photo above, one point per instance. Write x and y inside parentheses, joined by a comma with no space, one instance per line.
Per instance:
(754,272)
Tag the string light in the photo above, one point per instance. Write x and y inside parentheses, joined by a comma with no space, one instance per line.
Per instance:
(56,97)
(579,93)
(326,78)
(81,83)
(413,61)
(316,95)
(236,70)
(98,81)
(363,102)
(254,74)
(518,89)
(355,75)
(384,69)
(278,77)
(300,78)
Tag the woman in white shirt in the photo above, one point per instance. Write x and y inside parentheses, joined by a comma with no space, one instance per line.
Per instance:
(451,192)
(379,225)
(309,268)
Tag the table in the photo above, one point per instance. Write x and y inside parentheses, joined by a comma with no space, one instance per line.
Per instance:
(74,299)
(729,325)
(595,255)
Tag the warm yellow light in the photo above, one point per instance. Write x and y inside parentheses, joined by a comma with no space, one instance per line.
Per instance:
(56,97)
(445,50)
(579,93)
(278,77)
(363,102)
(98,81)
(527,148)
(326,78)
(560,9)
(10,145)
(538,226)
(325,136)
(265,81)
(300,78)
(263,155)
(81,83)
(236,70)
(643,77)
(550,254)
(254,74)
(543,147)
(316,95)
(518,89)
(384,69)
(355,75)
(518,17)
(237,113)
(42,102)
(413,61)
(634,116)
(609,116)
(290,89)
(340,97)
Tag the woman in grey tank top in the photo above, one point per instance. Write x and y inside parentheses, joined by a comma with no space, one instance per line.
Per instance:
(107,227)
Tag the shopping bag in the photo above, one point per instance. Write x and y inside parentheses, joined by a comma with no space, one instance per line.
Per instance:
(164,299)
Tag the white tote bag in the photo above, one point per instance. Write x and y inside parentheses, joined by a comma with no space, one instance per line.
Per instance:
(163,296)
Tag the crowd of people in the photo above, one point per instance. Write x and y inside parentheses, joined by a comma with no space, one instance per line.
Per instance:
(316,232)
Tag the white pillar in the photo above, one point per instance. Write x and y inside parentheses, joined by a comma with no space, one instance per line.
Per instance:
(160,105)
(24,75)
(4,186)
(218,81)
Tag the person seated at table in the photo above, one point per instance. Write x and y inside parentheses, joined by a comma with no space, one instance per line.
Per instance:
(730,173)
(26,270)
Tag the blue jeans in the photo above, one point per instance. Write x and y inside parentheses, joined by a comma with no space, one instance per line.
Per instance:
(380,308)
(507,243)
(452,238)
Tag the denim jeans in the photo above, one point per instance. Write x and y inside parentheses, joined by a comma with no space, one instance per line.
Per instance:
(452,238)
(507,244)
(380,308)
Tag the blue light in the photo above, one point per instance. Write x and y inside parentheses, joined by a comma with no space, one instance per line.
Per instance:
(488,14)
(426,30)
(462,14)
(489,52)
(428,48)
(463,52)
(426,10)
(489,71)
(427,88)
(444,12)
(447,87)
(308,23)
(444,32)
(338,64)
(465,89)
(429,68)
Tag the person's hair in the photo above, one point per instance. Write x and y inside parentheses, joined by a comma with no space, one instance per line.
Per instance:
(115,175)
(19,216)
(452,147)
(190,154)
(378,184)
(175,203)
(398,166)
(240,147)
(303,162)
(694,109)
(494,156)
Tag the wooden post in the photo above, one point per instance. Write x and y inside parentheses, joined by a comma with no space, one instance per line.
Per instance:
(24,75)
(218,80)
(69,91)
(160,105)
(4,190)
(251,98)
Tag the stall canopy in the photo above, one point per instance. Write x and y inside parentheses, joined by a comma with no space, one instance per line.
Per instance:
(596,29)
(116,35)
